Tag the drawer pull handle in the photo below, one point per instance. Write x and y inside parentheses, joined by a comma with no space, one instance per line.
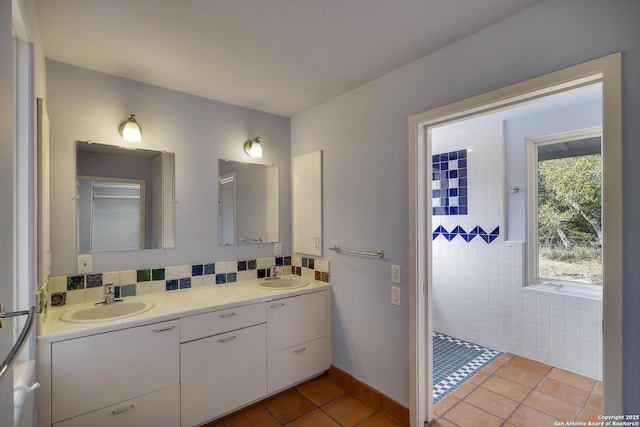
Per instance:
(123,410)
(300,350)
(224,316)
(280,304)
(164,329)
(227,339)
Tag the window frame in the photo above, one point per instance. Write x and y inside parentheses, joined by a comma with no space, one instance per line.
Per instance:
(532,266)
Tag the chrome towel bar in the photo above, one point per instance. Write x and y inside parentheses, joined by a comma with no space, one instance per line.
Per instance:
(10,359)
(339,250)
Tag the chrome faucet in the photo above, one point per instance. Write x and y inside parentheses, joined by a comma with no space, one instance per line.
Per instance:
(109,296)
(274,273)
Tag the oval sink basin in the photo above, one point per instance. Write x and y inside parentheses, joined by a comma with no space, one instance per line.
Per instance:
(287,283)
(99,313)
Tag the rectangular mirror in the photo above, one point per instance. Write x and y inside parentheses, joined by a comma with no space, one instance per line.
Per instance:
(125,198)
(248,203)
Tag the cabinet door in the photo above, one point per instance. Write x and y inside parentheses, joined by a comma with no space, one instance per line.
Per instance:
(296,364)
(158,409)
(295,320)
(306,189)
(222,373)
(100,370)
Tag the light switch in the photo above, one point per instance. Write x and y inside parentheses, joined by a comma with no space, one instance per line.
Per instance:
(395,295)
(277,249)
(395,274)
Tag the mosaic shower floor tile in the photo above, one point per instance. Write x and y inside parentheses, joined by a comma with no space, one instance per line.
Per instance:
(455,361)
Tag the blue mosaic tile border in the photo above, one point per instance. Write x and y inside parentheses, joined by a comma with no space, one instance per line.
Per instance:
(459,231)
(449,183)
(455,361)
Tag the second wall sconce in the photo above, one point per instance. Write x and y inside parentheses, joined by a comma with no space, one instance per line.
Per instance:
(253,148)
(130,130)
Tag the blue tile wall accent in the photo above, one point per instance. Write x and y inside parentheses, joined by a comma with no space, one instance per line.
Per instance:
(232,277)
(242,265)
(197,270)
(221,279)
(287,260)
(210,268)
(128,291)
(171,285)
(94,280)
(185,283)
(75,282)
(449,183)
(279,261)
(459,231)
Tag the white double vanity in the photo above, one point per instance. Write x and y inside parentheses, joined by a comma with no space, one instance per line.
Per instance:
(195,356)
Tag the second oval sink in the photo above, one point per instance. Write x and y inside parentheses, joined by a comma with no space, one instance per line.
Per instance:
(287,283)
(99,313)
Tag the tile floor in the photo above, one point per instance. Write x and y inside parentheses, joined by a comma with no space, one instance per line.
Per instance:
(317,403)
(510,391)
(514,391)
(455,361)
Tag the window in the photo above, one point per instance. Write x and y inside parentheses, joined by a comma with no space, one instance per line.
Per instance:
(565,209)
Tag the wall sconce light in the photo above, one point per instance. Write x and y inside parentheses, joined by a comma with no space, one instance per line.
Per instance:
(253,148)
(130,130)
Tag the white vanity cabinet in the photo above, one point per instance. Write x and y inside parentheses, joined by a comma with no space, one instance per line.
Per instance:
(117,378)
(222,362)
(297,339)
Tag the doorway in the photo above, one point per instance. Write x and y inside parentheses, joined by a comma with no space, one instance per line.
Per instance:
(605,71)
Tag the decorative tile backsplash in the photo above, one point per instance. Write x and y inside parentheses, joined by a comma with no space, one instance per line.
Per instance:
(90,287)
(449,183)
(459,231)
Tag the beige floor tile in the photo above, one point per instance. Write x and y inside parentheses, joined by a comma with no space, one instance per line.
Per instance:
(507,388)
(462,391)
(595,403)
(251,417)
(553,406)
(316,418)
(589,415)
(528,417)
(379,420)
(320,390)
(347,410)
(492,402)
(531,365)
(441,422)
(444,405)
(465,415)
(520,375)
(572,379)
(288,405)
(564,391)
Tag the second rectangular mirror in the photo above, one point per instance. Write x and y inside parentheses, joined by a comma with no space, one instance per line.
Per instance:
(248,203)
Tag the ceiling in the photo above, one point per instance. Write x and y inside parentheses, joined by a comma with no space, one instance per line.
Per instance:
(277,56)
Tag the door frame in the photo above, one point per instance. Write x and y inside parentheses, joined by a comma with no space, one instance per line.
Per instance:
(607,70)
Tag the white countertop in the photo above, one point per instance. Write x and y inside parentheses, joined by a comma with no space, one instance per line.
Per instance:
(171,305)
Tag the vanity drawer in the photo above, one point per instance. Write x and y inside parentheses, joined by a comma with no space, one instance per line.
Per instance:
(159,409)
(217,322)
(297,363)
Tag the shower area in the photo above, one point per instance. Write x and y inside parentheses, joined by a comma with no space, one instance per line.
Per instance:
(480,304)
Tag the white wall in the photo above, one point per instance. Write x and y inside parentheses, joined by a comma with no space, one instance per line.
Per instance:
(88,105)
(364,137)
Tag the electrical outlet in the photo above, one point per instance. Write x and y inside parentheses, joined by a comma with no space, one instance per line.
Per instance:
(395,274)
(277,249)
(85,263)
(395,295)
